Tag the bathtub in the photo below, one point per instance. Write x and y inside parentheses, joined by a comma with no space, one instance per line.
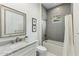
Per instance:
(54,47)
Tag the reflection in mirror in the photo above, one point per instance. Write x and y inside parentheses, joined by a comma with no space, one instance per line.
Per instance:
(14,23)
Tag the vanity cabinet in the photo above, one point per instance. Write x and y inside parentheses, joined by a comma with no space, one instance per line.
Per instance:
(29,50)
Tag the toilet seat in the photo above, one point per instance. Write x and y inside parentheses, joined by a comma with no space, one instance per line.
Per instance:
(42,48)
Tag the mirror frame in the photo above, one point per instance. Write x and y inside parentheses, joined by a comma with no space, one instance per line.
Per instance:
(3,12)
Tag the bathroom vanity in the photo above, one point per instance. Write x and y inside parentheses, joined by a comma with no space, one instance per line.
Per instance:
(13,25)
(23,48)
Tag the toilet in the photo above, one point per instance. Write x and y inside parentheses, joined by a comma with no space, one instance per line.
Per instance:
(41,51)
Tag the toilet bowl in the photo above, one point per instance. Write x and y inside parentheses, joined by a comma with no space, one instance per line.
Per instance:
(41,51)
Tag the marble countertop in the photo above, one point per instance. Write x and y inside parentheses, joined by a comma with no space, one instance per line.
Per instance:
(10,48)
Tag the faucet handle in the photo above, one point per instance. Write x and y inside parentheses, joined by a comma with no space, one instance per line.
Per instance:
(17,39)
(26,36)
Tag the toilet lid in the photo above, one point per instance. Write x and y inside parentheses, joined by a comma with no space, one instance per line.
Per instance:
(41,48)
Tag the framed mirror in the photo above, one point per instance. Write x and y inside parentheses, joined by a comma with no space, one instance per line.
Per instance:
(13,22)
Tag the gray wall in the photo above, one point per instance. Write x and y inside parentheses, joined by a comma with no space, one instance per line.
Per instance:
(55,30)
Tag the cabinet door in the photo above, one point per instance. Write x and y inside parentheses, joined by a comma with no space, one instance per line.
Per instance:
(26,51)
(31,53)
(76,27)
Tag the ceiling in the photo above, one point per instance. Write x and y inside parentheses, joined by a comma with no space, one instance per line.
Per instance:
(50,5)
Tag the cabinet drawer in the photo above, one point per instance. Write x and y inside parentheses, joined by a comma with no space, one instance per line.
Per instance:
(24,50)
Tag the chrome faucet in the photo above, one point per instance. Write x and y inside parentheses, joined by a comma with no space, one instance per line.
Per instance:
(17,39)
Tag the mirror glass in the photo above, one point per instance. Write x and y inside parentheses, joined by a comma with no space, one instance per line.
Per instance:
(14,23)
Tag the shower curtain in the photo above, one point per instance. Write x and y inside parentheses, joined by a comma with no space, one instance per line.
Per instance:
(69,41)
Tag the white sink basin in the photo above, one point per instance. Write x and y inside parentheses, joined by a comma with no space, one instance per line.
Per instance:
(16,45)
